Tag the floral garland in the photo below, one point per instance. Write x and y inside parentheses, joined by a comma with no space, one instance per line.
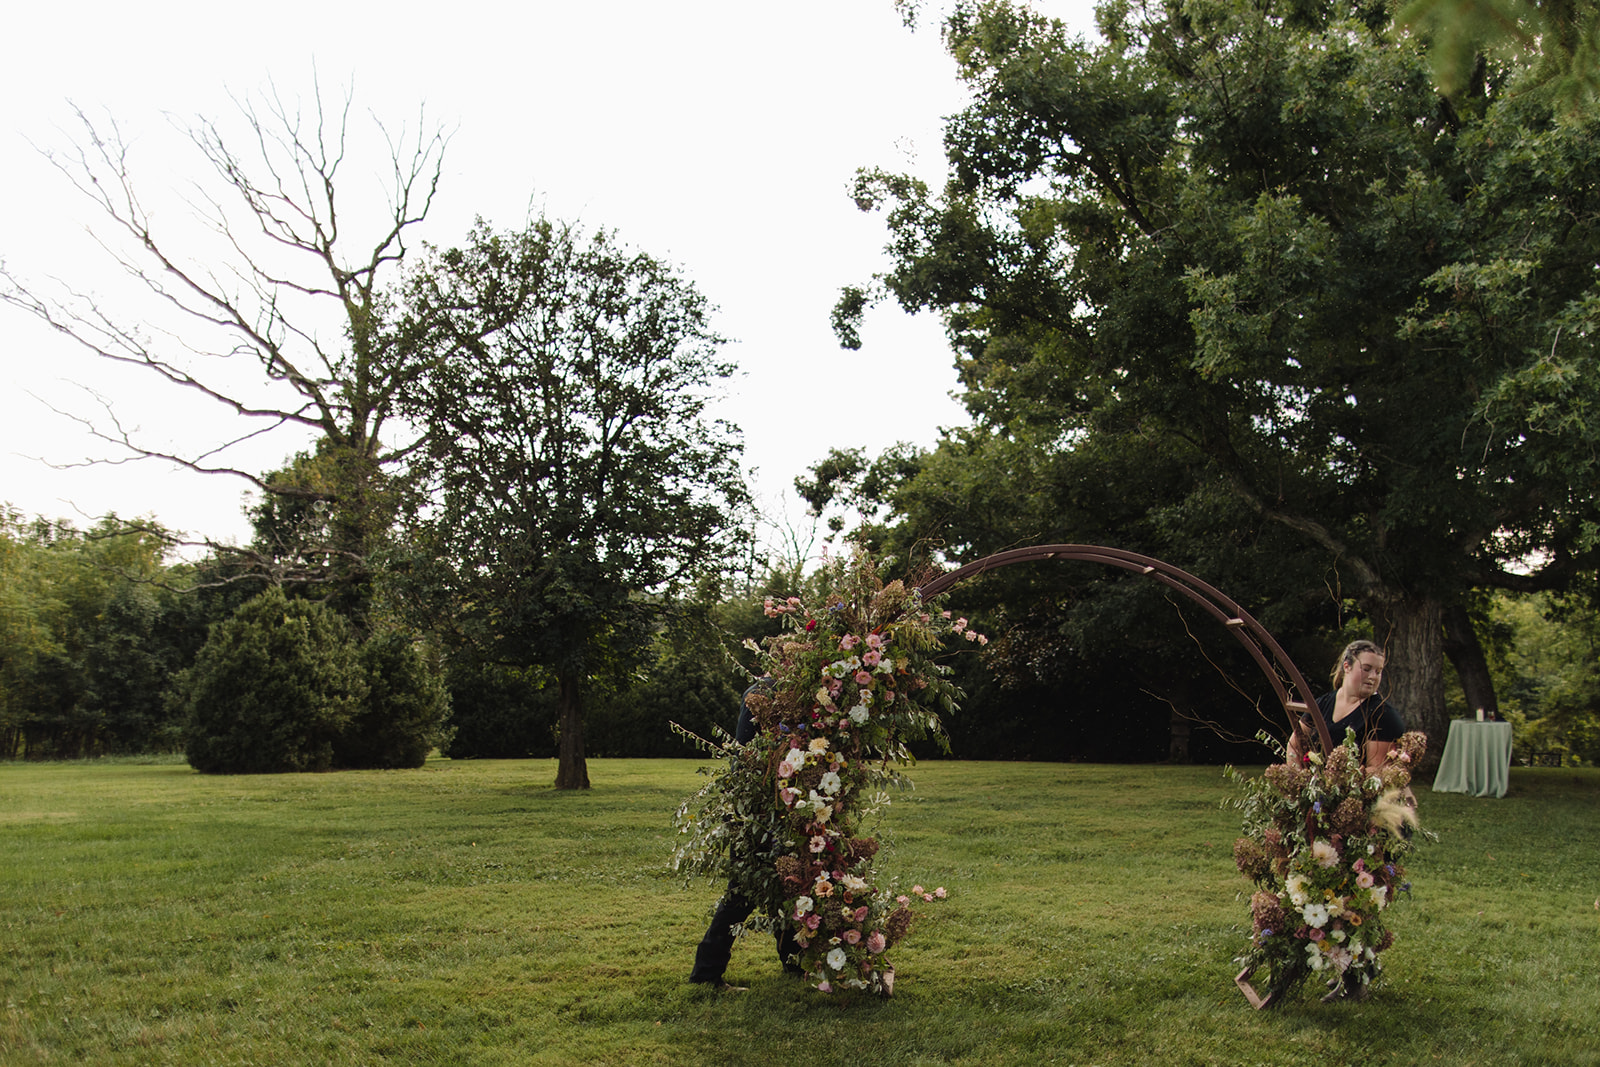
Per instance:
(849,686)
(1323,843)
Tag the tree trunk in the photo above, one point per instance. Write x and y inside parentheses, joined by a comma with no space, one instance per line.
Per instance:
(572,771)
(1472,667)
(1411,630)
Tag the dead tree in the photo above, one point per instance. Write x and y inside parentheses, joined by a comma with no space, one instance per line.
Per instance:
(282,319)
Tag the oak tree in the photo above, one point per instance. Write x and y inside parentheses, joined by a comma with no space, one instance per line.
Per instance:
(1251,237)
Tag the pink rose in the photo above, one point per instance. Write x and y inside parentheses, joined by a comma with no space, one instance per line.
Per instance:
(850,937)
(876,942)
(785,769)
(902,899)
(860,915)
(940,893)
(813,921)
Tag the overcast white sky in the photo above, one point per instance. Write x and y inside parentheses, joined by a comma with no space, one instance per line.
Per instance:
(720,135)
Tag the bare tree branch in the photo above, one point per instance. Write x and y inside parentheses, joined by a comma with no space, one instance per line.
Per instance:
(292,276)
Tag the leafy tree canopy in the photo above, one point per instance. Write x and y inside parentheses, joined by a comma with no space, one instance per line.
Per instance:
(1254,243)
(572,475)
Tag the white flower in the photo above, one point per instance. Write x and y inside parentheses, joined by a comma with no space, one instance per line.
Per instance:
(1315,915)
(803,905)
(1315,957)
(830,783)
(836,959)
(795,758)
(853,883)
(859,714)
(819,744)
(1380,893)
(820,807)
(885,666)
(1296,885)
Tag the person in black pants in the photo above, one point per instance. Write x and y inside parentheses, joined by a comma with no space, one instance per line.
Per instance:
(716,947)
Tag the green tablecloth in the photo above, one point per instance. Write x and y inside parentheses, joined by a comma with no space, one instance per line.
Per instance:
(1476,760)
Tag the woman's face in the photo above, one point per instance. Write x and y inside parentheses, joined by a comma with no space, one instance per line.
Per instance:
(1362,674)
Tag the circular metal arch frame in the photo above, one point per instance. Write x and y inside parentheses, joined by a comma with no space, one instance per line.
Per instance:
(1290,686)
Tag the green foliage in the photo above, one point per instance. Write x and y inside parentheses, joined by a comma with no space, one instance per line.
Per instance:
(1243,266)
(1548,675)
(88,635)
(274,689)
(1559,38)
(499,712)
(406,708)
(571,475)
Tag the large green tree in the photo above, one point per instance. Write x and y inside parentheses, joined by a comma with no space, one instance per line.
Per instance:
(573,477)
(1252,239)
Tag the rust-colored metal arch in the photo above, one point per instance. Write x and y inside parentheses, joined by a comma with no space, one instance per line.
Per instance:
(1290,686)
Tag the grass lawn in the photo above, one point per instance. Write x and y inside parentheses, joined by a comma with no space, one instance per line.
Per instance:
(467,913)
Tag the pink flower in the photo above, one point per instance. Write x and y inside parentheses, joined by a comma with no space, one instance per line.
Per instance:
(1364,880)
(818,843)
(860,914)
(902,899)
(849,641)
(928,897)
(940,893)
(888,696)
(874,641)
(876,942)
(824,987)
(850,937)
(794,603)
(982,640)
(917,889)
(785,769)
(971,635)
(959,625)
(863,678)
(871,658)
(813,921)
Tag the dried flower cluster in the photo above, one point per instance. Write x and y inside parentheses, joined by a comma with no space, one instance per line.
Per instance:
(1323,843)
(853,680)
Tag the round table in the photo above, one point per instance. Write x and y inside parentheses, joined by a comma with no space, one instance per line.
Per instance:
(1476,760)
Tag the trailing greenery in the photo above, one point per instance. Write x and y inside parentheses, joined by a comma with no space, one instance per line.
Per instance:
(468,913)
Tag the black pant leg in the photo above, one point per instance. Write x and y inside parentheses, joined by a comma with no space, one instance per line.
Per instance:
(716,947)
